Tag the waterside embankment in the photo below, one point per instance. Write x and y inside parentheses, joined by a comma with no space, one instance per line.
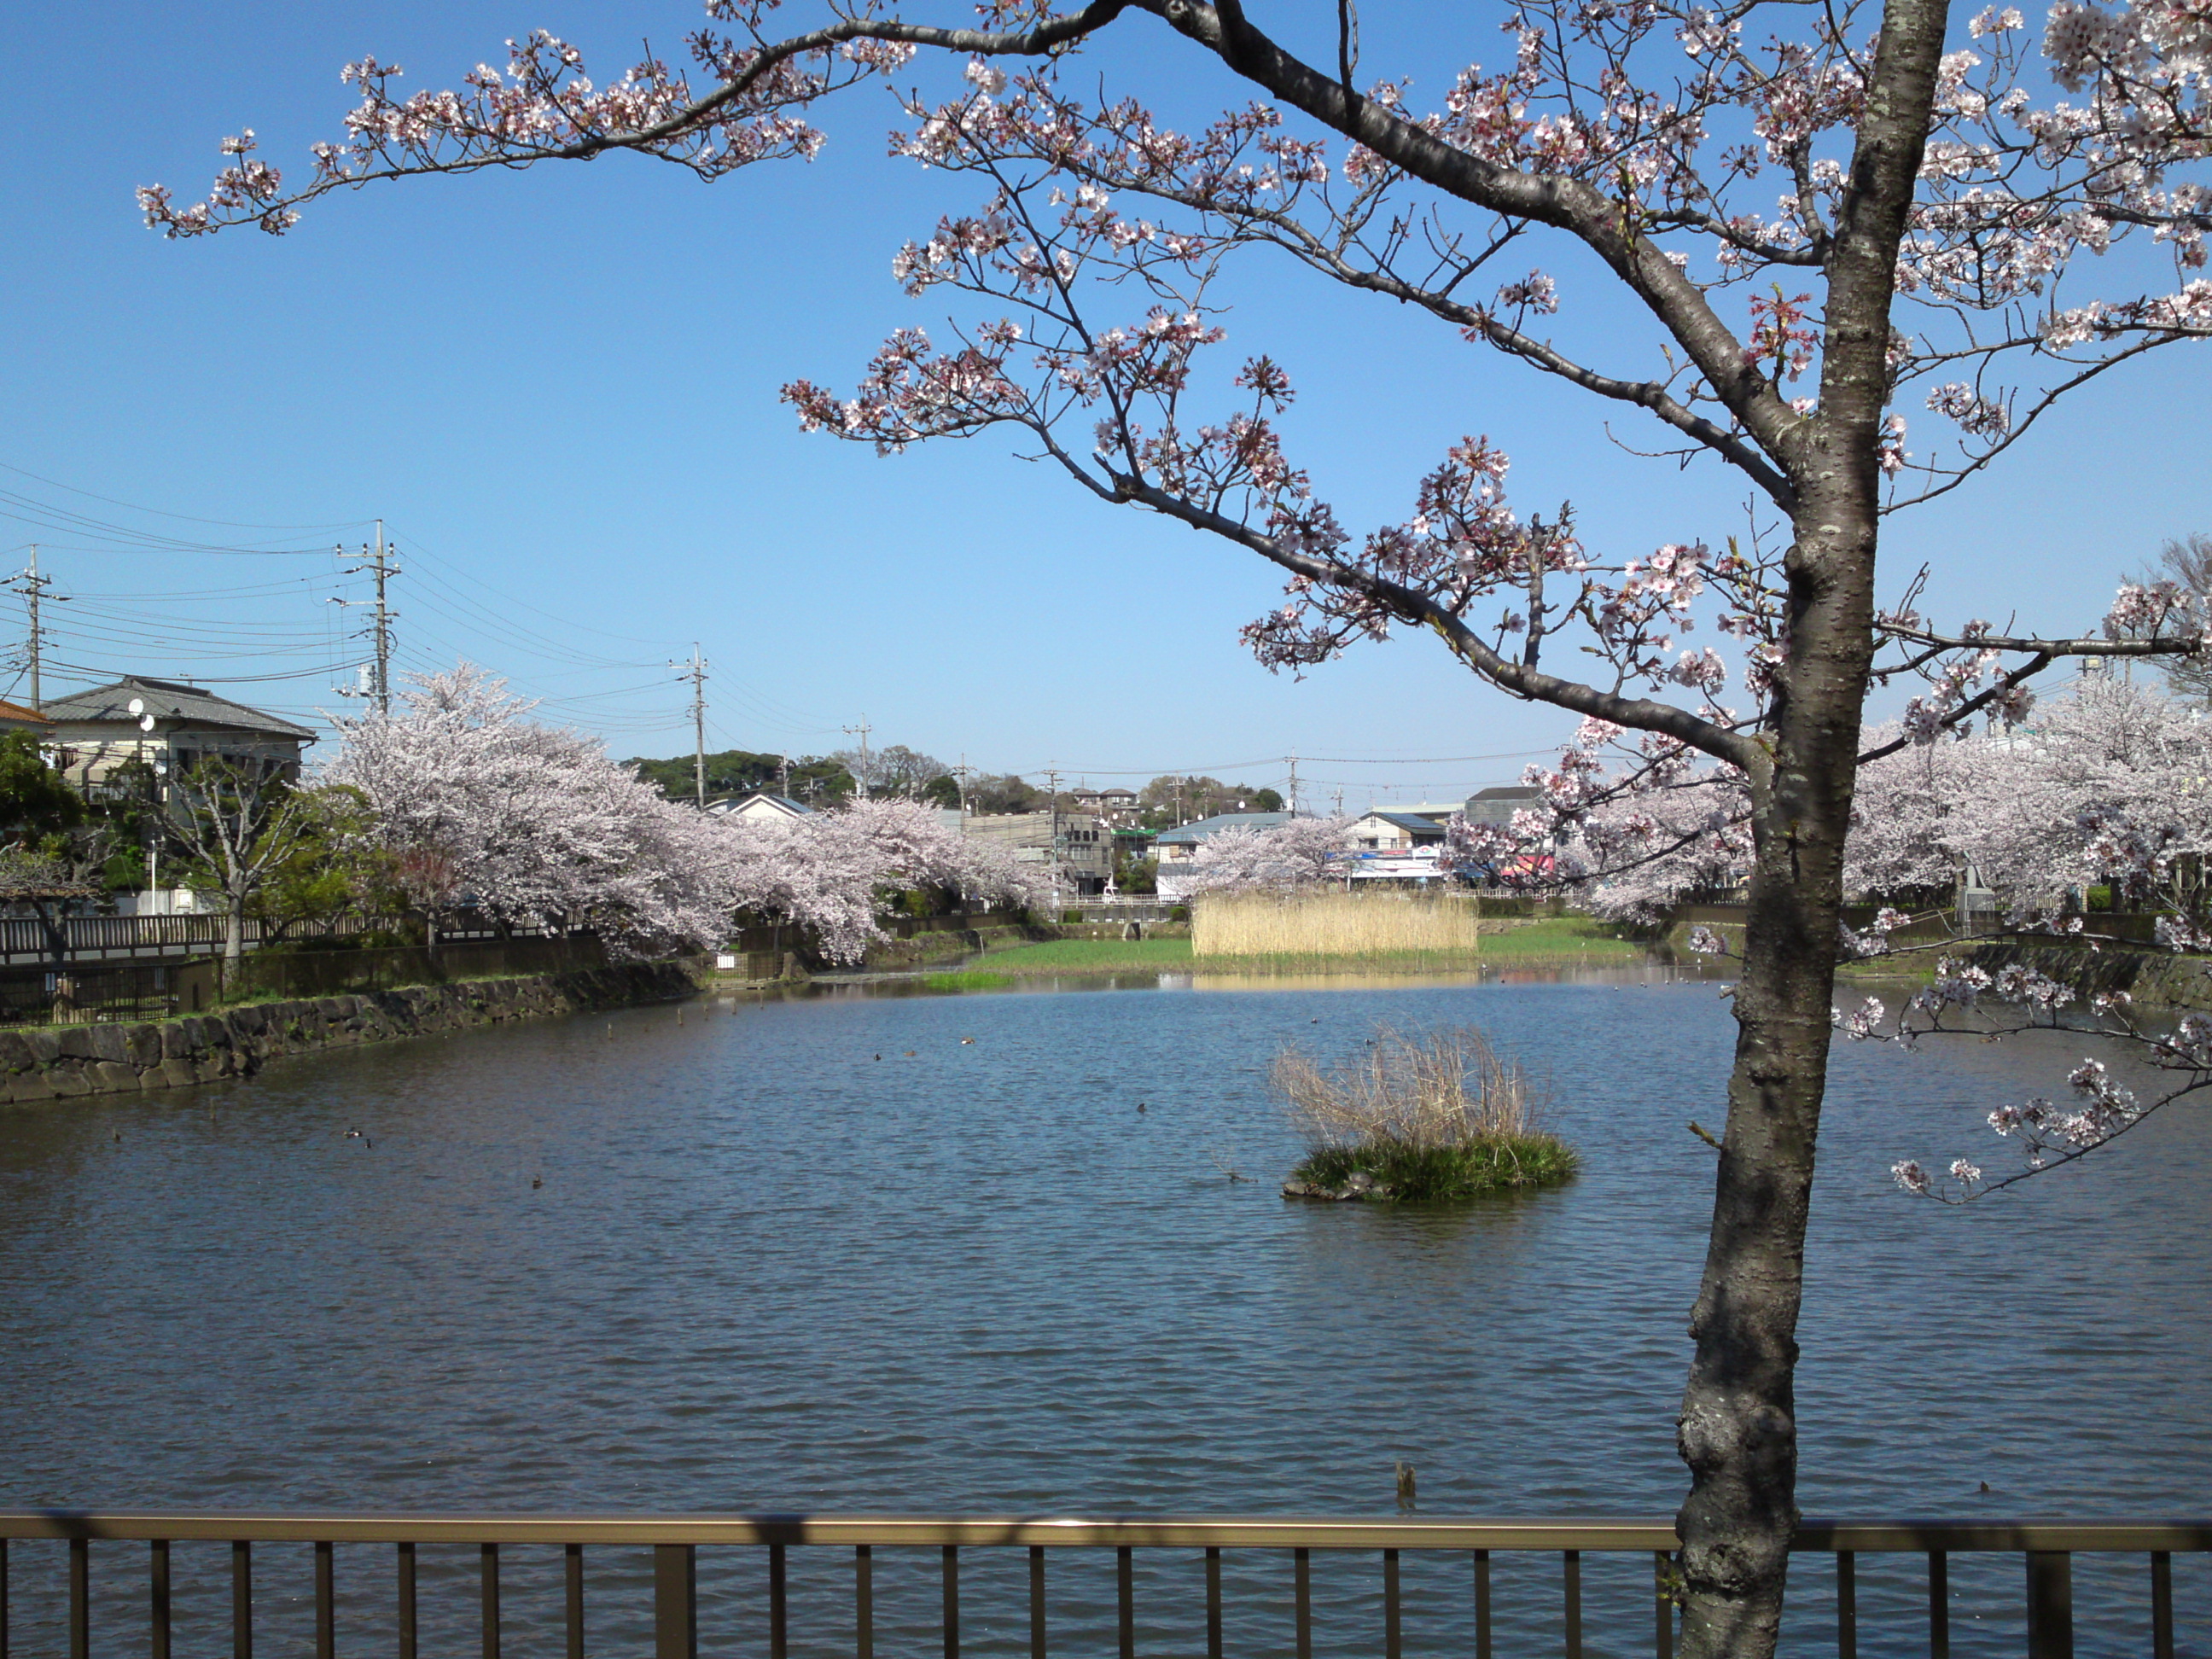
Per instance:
(52,1062)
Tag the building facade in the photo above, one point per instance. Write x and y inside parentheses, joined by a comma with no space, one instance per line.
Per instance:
(1080,844)
(169,727)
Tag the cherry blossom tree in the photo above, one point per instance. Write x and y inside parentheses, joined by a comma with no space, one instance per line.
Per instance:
(832,873)
(532,824)
(1814,220)
(1241,858)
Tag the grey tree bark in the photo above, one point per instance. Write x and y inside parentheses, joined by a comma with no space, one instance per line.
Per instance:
(1738,1428)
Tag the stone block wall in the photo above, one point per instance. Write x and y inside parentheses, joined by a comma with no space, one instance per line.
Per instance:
(53,1062)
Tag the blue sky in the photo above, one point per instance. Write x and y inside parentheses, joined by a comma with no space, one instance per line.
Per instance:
(558,389)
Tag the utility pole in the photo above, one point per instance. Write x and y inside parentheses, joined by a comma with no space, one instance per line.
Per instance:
(862,729)
(960,773)
(1052,782)
(1340,803)
(1294,786)
(379,563)
(33,588)
(696,673)
(783,771)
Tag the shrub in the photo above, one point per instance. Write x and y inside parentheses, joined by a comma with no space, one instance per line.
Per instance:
(1442,1116)
(1178,913)
(1071,915)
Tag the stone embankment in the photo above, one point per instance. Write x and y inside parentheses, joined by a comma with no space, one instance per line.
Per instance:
(46,1063)
(2155,978)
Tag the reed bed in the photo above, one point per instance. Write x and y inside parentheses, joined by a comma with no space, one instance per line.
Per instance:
(1443,1115)
(1321,923)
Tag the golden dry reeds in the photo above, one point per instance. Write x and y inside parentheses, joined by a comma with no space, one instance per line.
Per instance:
(1316,922)
(1443,1116)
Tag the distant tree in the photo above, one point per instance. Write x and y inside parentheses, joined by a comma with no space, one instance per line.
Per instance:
(893,770)
(942,791)
(744,772)
(34,799)
(1138,875)
(237,821)
(2187,563)
(1004,793)
(333,867)
(1265,800)
(1174,798)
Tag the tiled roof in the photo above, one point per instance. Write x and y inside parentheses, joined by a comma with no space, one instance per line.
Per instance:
(15,711)
(1413,821)
(168,700)
(1191,834)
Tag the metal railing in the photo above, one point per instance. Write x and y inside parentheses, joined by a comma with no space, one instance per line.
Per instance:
(2048,1600)
(25,942)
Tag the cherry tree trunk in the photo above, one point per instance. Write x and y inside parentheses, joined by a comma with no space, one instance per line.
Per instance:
(1738,1429)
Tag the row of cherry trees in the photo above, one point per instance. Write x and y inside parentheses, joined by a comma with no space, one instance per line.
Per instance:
(466,801)
(2111,784)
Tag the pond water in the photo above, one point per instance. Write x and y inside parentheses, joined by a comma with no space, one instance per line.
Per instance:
(824,1255)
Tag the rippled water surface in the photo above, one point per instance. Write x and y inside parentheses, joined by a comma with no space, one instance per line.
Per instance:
(824,1255)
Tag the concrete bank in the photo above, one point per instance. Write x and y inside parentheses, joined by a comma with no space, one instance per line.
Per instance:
(54,1062)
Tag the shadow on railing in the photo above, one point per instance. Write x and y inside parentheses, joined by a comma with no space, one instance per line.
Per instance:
(2048,1549)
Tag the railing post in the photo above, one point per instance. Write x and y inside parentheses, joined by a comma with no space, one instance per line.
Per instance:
(488,1571)
(1847,1605)
(2049,1605)
(1036,1601)
(1302,1592)
(1393,1645)
(158,1552)
(80,1598)
(326,1600)
(406,1607)
(242,1599)
(1482,1649)
(1939,1605)
(1125,1595)
(2161,1607)
(778,1608)
(864,1601)
(951,1602)
(1573,1594)
(573,1563)
(1213,1603)
(675,1601)
(1663,1588)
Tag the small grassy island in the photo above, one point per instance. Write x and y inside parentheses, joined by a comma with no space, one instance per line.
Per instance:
(1417,1120)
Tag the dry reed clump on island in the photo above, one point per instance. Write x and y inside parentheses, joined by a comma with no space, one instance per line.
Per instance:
(1318,922)
(1440,1116)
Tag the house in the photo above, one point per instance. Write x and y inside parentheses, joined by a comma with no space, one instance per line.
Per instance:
(1113,806)
(1078,844)
(1498,806)
(760,807)
(1377,831)
(14,717)
(169,726)
(1180,846)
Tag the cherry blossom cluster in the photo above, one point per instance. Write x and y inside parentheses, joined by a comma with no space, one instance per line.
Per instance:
(477,805)
(831,874)
(1283,857)
(544,104)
